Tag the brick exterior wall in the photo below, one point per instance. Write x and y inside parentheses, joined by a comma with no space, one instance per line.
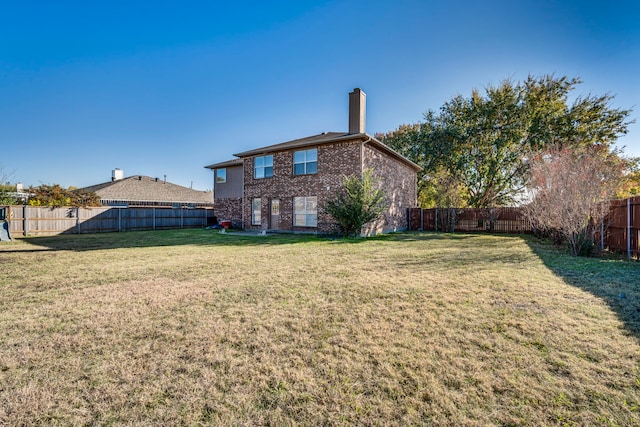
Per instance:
(334,161)
(229,209)
(399,182)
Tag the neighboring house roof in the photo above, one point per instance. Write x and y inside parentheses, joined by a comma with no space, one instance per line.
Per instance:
(320,139)
(145,189)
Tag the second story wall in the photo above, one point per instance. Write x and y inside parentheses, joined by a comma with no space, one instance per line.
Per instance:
(232,187)
(399,182)
(334,161)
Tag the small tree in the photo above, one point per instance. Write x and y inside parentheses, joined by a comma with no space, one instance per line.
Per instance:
(55,195)
(631,180)
(360,202)
(570,193)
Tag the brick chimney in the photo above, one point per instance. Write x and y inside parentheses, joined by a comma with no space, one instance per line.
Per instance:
(357,111)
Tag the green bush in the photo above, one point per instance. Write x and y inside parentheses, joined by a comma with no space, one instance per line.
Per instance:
(55,195)
(359,202)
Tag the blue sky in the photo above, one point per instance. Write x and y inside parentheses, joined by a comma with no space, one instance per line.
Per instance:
(165,88)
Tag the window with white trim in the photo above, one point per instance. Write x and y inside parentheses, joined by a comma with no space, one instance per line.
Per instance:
(256,211)
(305,211)
(221,176)
(305,162)
(263,167)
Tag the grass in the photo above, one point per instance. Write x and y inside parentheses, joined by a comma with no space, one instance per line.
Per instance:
(190,327)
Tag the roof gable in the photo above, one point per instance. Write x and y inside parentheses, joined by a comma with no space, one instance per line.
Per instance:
(327,138)
(322,138)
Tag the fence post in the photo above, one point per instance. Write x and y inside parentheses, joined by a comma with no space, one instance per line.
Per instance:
(24,220)
(181,216)
(78,219)
(602,233)
(421,219)
(629,228)
(452,219)
(154,219)
(119,219)
(436,223)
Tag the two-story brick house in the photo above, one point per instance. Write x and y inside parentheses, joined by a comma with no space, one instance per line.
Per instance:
(286,186)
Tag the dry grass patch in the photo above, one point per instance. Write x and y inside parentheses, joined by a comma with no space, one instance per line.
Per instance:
(194,328)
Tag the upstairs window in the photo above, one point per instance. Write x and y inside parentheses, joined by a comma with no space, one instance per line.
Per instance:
(221,176)
(263,167)
(305,162)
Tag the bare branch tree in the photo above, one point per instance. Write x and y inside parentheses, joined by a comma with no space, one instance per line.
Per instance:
(5,189)
(570,192)
(4,175)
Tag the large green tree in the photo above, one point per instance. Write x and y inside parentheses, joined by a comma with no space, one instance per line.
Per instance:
(481,144)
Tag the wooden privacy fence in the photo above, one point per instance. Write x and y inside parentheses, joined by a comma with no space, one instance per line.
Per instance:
(40,220)
(620,231)
(622,227)
(494,220)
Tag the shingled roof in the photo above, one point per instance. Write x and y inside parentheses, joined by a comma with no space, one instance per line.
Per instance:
(323,138)
(326,138)
(144,190)
(227,164)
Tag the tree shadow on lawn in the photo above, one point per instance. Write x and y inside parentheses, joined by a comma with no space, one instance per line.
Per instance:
(612,279)
(477,251)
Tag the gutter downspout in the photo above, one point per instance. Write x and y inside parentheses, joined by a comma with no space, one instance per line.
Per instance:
(629,229)
(243,195)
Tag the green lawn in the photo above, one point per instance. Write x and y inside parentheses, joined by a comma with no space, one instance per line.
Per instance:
(191,327)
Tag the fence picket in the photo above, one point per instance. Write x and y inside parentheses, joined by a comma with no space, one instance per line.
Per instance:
(42,220)
(619,231)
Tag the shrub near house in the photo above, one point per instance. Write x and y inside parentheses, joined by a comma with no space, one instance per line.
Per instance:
(358,203)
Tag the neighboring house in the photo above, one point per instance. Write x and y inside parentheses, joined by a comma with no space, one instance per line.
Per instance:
(286,186)
(20,196)
(141,190)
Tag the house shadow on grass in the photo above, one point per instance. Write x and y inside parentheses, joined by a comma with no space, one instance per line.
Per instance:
(146,239)
(612,279)
(191,236)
